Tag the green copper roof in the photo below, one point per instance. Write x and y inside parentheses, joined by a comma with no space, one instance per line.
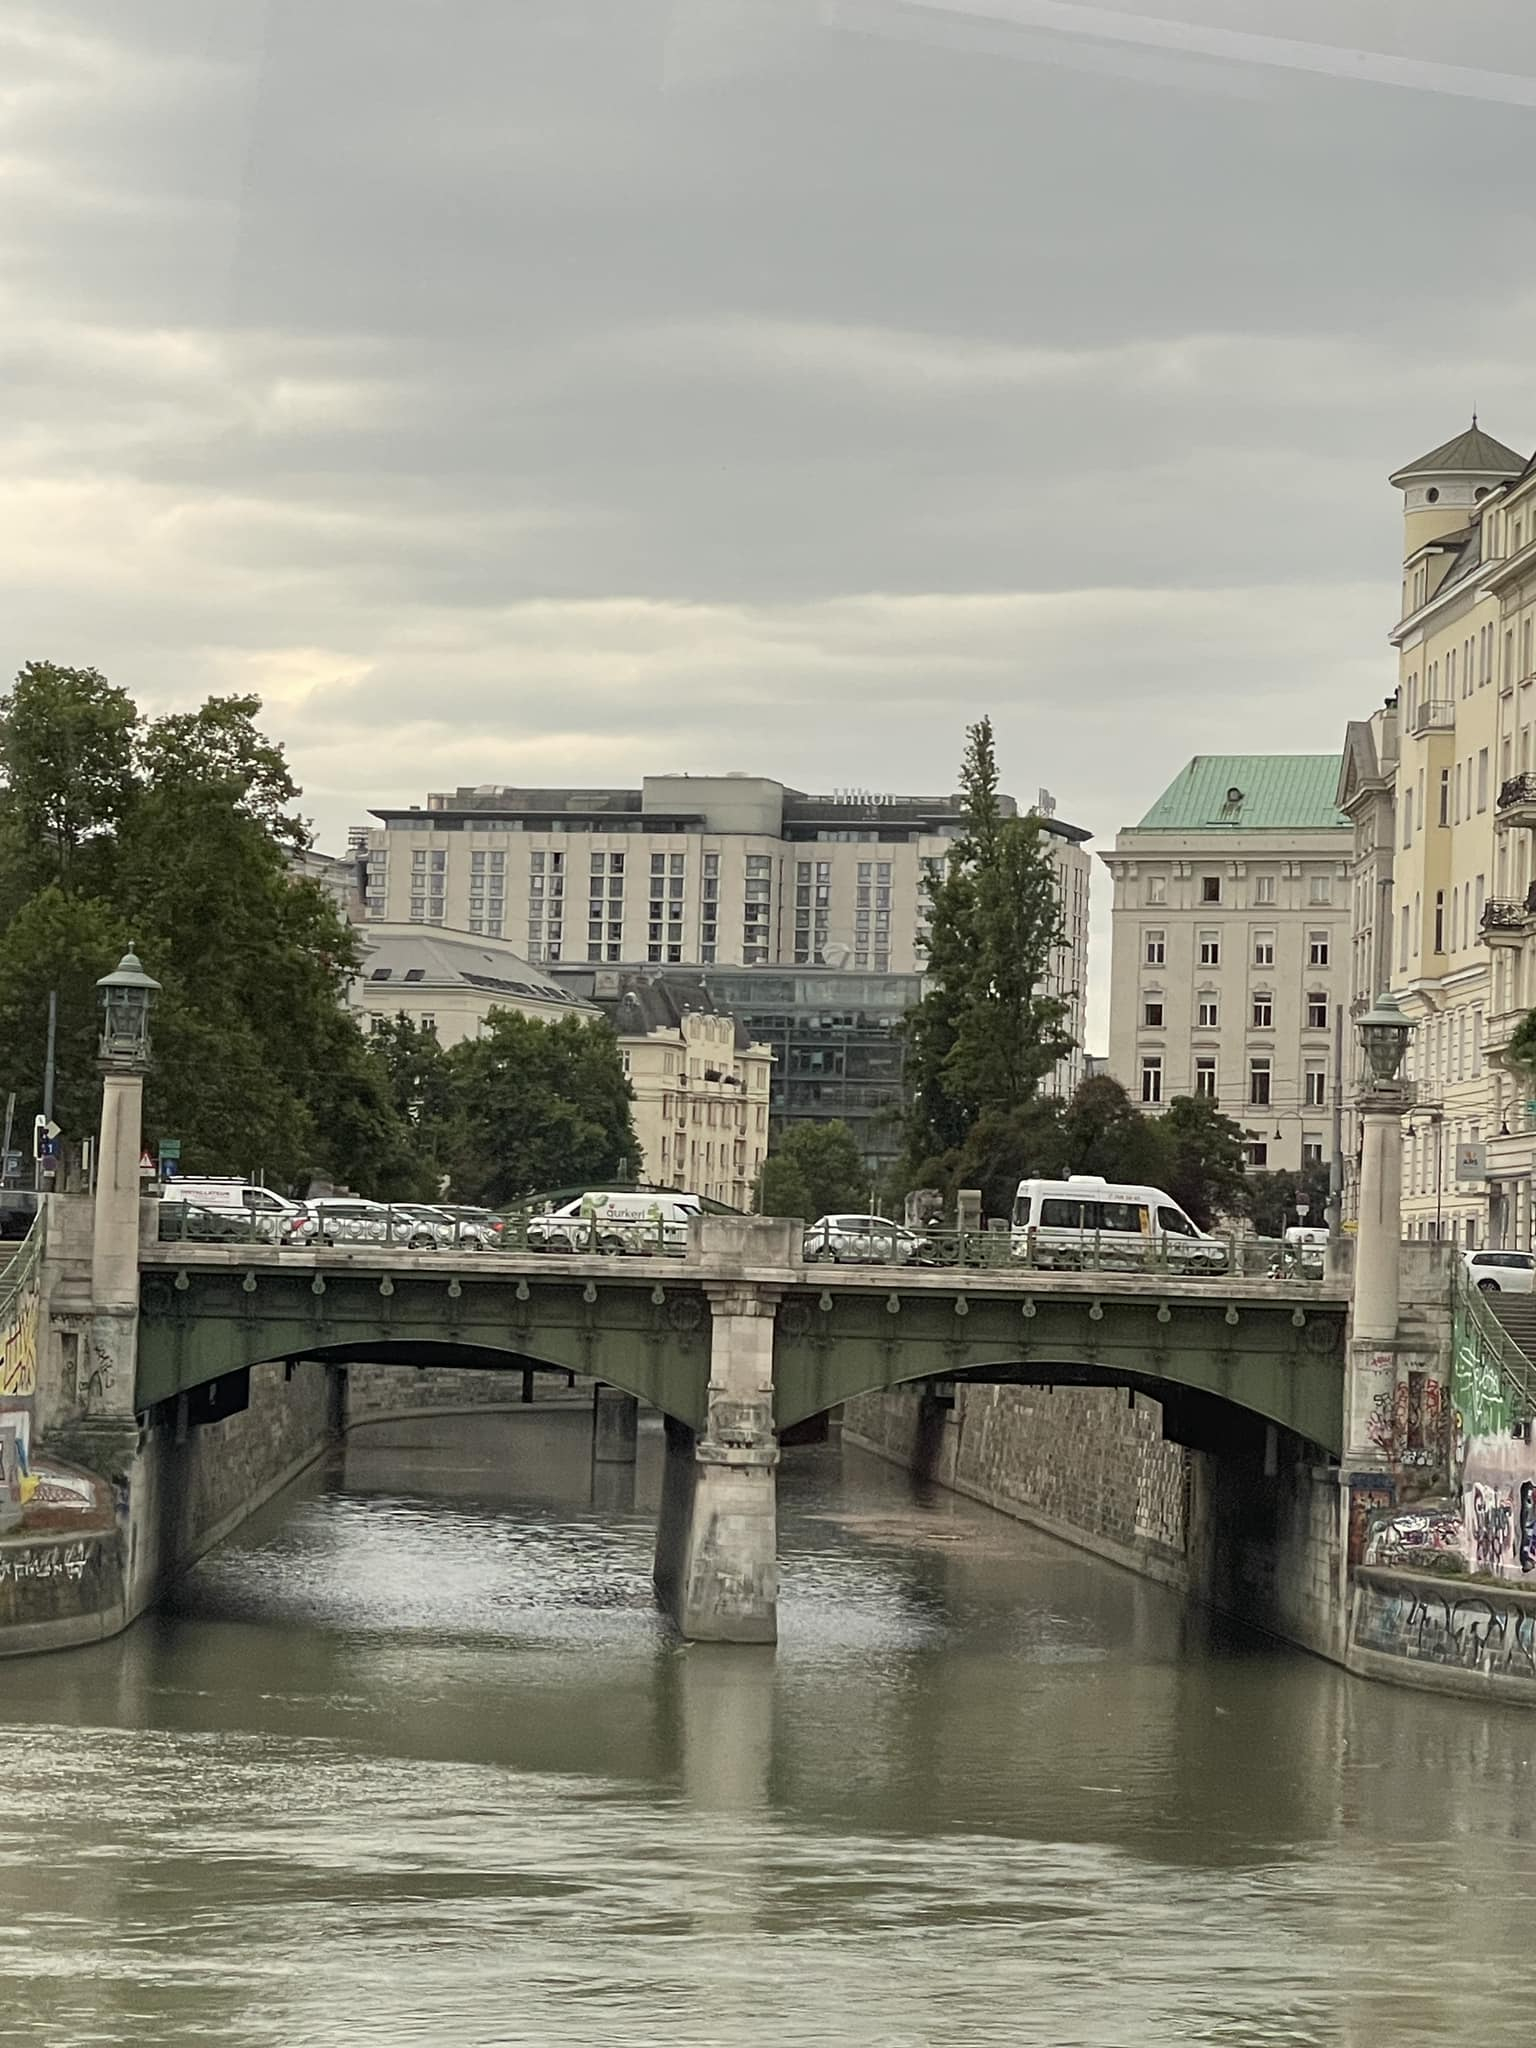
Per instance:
(1250,793)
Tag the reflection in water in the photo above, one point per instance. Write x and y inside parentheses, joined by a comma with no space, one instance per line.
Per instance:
(414,1760)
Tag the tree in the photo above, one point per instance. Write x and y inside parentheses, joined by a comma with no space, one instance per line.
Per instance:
(1107,1134)
(1271,1198)
(990,1029)
(61,945)
(814,1170)
(1004,1147)
(66,754)
(539,1106)
(1206,1172)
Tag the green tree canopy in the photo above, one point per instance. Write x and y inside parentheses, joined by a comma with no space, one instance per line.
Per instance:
(814,1170)
(1205,1173)
(538,1105)
(990,1029)
(1271,1198)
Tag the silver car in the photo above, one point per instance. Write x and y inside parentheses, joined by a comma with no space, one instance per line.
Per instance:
(347,1219)
(862,1241)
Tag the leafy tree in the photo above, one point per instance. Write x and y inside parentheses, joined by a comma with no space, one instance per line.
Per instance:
(988,1032)
(814,1170)
(57,944)
(1205,1173)
(1004,1147)
(539,1105)
(66,754)
(1271,1198)
(1107,1134)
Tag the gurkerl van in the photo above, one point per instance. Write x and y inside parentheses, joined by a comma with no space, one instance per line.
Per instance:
(608,1222)
(266,1208)
(1089,1221)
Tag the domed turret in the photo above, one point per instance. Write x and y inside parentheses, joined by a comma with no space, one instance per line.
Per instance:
(1442,489)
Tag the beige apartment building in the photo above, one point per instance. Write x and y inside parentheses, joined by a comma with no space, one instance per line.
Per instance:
(1231,948)
(1434,784)
(451,981)
(700,1085)
(697,871)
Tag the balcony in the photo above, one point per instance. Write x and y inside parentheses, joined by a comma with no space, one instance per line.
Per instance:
(1505,923)
(1517,802)
(1435,714)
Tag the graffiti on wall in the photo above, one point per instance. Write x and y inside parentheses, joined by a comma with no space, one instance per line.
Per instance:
(18,1346)
(1418,1537)
(1408,1421)
(50,1561)
(1370,1494)
(1465,1631)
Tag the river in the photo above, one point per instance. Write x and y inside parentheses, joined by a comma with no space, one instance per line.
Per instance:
(412,1760)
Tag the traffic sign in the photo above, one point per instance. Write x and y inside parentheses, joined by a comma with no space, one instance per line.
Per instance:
(146,1164)
(47,1148)
(169,1148)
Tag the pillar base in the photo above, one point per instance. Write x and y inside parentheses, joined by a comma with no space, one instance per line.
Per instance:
(615,1426)
(717,1566)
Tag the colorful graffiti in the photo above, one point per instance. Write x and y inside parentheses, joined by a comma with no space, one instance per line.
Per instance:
(1370,1494)
(1408,1422)
(18,1346)
(1418,1536)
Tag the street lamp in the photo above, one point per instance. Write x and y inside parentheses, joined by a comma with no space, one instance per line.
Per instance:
(1384,1034)
(127,996)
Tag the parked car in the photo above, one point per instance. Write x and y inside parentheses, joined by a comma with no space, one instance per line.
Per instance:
(486,1220)
(197,1223)
(862,1241)
(338,1219)
(607,1222)
(1501,1272)
(457,1229)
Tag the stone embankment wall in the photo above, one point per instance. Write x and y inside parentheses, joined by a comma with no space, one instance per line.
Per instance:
(396,1393)
(1249,1528)
(1450,1634)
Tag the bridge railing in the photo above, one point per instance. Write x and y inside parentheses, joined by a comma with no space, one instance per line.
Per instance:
(19,1261)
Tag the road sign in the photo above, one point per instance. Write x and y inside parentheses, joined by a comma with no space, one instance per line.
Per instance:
(47,1148)
(169,1148)
(44,1133)
(146,1164)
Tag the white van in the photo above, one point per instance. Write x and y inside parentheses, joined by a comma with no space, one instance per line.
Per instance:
(230,1192)
(605,1221)
(1089,1221)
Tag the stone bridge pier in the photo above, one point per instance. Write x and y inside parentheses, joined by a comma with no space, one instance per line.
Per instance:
(717,1569)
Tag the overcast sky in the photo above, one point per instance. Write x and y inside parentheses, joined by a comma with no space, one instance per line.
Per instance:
(557,390)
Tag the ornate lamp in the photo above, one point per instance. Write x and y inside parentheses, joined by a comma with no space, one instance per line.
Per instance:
(1384,1032)
(127,996)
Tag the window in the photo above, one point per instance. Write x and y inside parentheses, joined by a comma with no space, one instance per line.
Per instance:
(1151,1077)
(1445,798)
(1317,949)
(1157,888)
(1320,889)
(1311,1151)
(1205,1076)
(1263,1013)
(1155,950)
(1210,888)
(1258,1082)
(1210,949)
(1263,949)
(1152,1014)
(1207,1013)
(1315,1094)
(1317,1013)
(1439,920)
(1257,1152)
(1482,778)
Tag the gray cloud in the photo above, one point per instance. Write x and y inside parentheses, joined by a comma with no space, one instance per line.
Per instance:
(593,385)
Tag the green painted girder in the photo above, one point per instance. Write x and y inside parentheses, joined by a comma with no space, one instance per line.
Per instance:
(200,1321)
(1255,1354)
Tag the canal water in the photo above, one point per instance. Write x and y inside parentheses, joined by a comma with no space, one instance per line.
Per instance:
(412,1760)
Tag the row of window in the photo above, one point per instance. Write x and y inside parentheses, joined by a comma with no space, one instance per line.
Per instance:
(1260,1080)
(1263,889)
(1261,1012)
(1208,948)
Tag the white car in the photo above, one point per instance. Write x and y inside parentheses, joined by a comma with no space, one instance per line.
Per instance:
(609,1222)
(861,1241)
(1501,1272)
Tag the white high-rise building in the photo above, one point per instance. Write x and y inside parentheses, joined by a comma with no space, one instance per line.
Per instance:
(697,871)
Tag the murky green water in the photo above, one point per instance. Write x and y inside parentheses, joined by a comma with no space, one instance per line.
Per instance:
(413,1761)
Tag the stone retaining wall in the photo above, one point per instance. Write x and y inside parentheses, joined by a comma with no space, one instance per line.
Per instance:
(1458,1635)
(378,1393)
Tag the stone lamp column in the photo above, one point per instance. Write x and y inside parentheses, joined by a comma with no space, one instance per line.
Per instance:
(127,996)
(1377,1303)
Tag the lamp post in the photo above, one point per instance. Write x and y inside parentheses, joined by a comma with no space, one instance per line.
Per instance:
(1384,1034)
(127,998)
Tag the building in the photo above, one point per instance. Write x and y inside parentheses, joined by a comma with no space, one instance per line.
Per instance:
(451,981)
(1230,948)
(699,871)
(1367,797)
(1444,914)
(700,1084)
(343,876)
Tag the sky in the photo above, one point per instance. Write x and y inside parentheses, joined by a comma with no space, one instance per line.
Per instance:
(560,390)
